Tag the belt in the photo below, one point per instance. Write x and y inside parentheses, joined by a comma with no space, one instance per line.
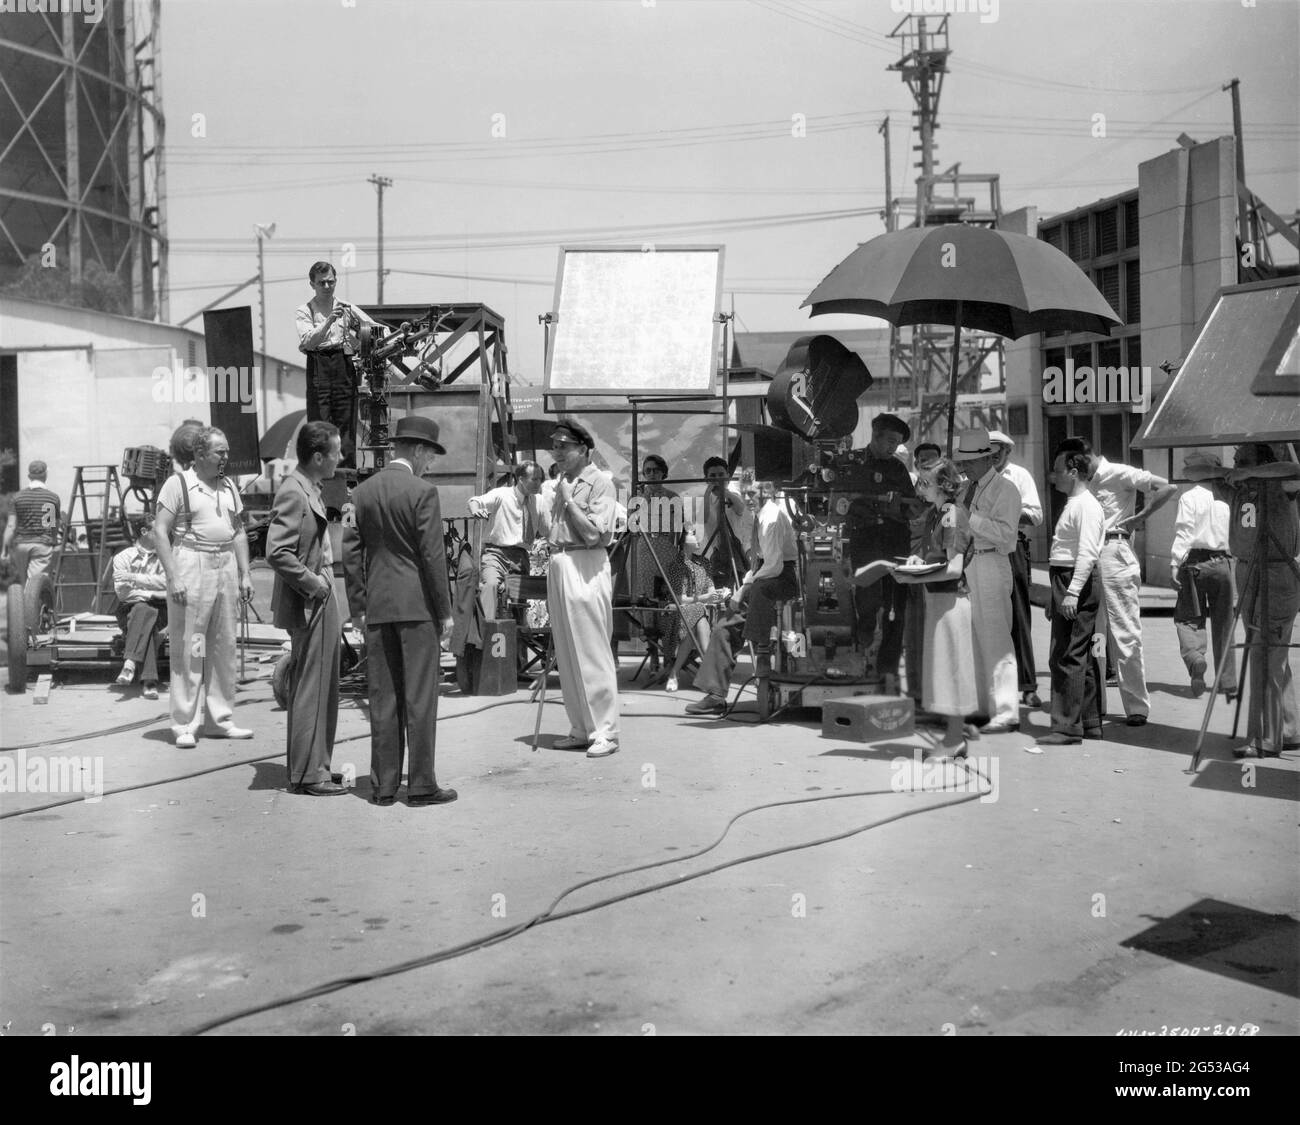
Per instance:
(988,551)
(207,548)
(327,351)
(1203,554)
(1118,535)
(563,547)
(504,547)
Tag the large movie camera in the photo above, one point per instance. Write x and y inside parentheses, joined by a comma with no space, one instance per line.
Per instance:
(382,354)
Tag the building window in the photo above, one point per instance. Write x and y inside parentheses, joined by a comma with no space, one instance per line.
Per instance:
(1107,281)
(1078,235)
(1132,292)
(1082,355)
(1107,231)
(1108,354)
(1130,224)
(1054,357)
(191,353)
(1135,351)
(1051,235)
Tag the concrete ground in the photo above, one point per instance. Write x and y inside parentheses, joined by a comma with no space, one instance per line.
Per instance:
(1095,889)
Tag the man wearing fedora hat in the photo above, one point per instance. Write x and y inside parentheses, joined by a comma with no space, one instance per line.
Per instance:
(396,567)
(1031,515)
(1202,570)
(994,506)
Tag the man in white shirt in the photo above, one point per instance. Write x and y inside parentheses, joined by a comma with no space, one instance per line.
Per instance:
(1031,515)
(515,519)
(1202,569)
(327,336)
(773,578)
(1076,546)
(994,506)
(141,588)
(1116,487)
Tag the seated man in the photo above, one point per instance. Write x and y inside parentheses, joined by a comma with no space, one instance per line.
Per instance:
(773,578)
(141,588)
(515,520)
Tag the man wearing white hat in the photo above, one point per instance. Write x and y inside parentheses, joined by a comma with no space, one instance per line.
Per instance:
(1031,515)
(994,506)
(1202,571)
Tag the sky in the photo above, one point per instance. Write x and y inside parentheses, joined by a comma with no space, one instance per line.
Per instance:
(512,128)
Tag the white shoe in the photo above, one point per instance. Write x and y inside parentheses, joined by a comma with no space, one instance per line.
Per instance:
(602,748)
(670,684)
(186,741)
(230,732)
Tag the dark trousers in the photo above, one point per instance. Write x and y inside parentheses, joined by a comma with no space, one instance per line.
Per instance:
(760,617)
(884,602)
(314,695)
(332,397)
(143,622)
(1022,635)
(1076,671)
(1205,589)
(402,668)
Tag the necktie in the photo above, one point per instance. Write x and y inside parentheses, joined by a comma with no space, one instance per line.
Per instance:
(970,495)
(753,544)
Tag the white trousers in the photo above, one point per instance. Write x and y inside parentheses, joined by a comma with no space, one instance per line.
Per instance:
(579,597)
(1121,587)
(996,680)
(202,636)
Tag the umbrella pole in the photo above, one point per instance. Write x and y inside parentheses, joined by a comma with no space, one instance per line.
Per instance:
(953,373)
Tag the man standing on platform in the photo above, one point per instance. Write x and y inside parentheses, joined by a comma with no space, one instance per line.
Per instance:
(879,527)
(1116,487)
(31,534)
(304,603)
(994,506)
(1031,515)
(396,568)
(515,519)
(327,335)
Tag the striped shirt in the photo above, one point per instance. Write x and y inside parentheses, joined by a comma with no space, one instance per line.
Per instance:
(37,510)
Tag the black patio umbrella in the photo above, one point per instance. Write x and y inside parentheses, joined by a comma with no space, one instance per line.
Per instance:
(276,440)
(969,277)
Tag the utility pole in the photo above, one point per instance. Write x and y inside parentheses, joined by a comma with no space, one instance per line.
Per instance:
(889,226)
(1243,230)
(380,183)
(264,231)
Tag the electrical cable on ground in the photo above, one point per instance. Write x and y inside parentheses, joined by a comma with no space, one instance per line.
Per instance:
(547,915)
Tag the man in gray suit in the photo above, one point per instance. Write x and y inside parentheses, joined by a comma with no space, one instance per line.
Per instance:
(303,602)
(396,567)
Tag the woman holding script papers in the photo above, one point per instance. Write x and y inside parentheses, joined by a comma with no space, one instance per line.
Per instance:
(948,668)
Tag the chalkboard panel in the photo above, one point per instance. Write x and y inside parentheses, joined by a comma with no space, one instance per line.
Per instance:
(632,321)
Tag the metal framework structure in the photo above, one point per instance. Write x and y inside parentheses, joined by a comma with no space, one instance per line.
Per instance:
(81,151)
(922,353)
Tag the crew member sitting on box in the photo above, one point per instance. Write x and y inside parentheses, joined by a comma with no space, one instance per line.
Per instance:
(773,578)
(141,588)
(516,518)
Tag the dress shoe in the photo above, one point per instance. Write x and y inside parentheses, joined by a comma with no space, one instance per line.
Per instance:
(710,705)
(1136,720)
(150,691)
(186,741)
(1030,699)
(571,742)
(1093,733)
(337,778)
(437,797)
(319,789)
(1250,750)
(1197,672)
(602,748)
(999,728)
(382,801)
(229,732)
(1057,738)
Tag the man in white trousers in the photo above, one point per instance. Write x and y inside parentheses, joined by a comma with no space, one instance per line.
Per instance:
(994,506)
(579,594)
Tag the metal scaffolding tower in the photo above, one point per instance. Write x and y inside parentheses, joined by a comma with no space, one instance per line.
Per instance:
(82,194)
(922,353)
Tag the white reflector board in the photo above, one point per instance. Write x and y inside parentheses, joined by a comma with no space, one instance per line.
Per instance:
(633,321)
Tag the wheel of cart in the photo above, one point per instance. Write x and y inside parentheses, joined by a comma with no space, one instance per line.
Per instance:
(19,634)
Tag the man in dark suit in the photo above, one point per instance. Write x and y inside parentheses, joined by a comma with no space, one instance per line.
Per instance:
(396,567)
(303,602)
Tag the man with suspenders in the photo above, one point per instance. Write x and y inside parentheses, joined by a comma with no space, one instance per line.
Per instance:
(206,564)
